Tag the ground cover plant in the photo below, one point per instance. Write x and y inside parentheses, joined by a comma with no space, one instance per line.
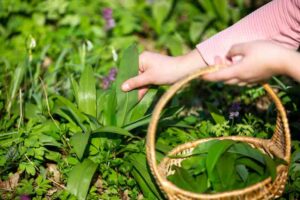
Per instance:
(66,130)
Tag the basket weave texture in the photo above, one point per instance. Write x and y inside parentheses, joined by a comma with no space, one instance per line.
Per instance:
(279,145)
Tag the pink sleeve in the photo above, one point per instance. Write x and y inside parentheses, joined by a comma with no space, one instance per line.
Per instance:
(278,21)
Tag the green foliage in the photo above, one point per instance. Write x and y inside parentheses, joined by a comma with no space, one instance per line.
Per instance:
(222,165)
(80,178)
(54,108)
(128,68)
(87,92)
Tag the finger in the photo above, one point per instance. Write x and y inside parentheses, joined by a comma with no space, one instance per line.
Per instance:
(237,50)
(142,60)
(241,84)
(222,75)
(218,60)
(136,82)
(142,92)
(232,81)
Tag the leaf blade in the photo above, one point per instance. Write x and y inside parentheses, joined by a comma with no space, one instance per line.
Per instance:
(80,178)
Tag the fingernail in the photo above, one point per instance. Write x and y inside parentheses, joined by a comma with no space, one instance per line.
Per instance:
(125,87)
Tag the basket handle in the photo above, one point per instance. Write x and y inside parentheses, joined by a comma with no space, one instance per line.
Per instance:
(278,137)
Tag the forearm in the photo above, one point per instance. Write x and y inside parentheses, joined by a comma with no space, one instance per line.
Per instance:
(191,62)
(292,65)
(277,21)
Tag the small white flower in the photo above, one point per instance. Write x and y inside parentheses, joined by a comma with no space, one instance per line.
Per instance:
(31,42)
(114,54)
(90,45)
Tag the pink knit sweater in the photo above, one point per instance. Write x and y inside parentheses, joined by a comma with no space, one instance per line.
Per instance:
(277,21)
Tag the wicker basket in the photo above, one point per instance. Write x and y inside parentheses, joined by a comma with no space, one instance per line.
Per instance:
(279,145)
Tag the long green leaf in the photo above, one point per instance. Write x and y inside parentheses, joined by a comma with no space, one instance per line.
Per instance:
(248,162)
(271,166)
(114,130)
(15,83)
(75,88)
(196,164)
(80,178)
(215,113)
(70,112)
(109,110)
(140,109)
(246,150)
(128,69)
(79,141)
(242,172)
(140,164)
(87,92)
(147,192)
(183,179)
(141,122)
(225,169)
(222,9)
(214,153)
(160,11)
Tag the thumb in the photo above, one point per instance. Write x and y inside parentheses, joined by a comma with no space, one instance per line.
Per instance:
(135,82)
(237,50)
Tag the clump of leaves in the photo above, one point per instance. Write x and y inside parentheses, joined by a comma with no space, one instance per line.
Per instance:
(223,165)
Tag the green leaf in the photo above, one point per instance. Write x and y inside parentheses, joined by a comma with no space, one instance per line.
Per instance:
(195,164)
(242,172)
(271,166)
(109,111)
(80,178)
(246,150)
(141,108)
(202,181)
(225,169)
(140,165)
(222,9)
(214,153)
(80,141)
(14,86)
(196,28)
(70,112)
(160,11)
(141,122)
(128,69)
(87,92)
(208,7)
(175,44)
(204,147)
(147,192)
(114,130)
(215,113)
(248,162)
(75,88)
(183,179)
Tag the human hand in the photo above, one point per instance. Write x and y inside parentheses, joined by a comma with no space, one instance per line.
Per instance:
(160,69)
(258,61)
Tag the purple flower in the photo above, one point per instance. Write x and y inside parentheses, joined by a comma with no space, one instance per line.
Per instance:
(234,110)
(106,81)
(25,197)
(112,74)
(107,13)
(110,24)
(109,20)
